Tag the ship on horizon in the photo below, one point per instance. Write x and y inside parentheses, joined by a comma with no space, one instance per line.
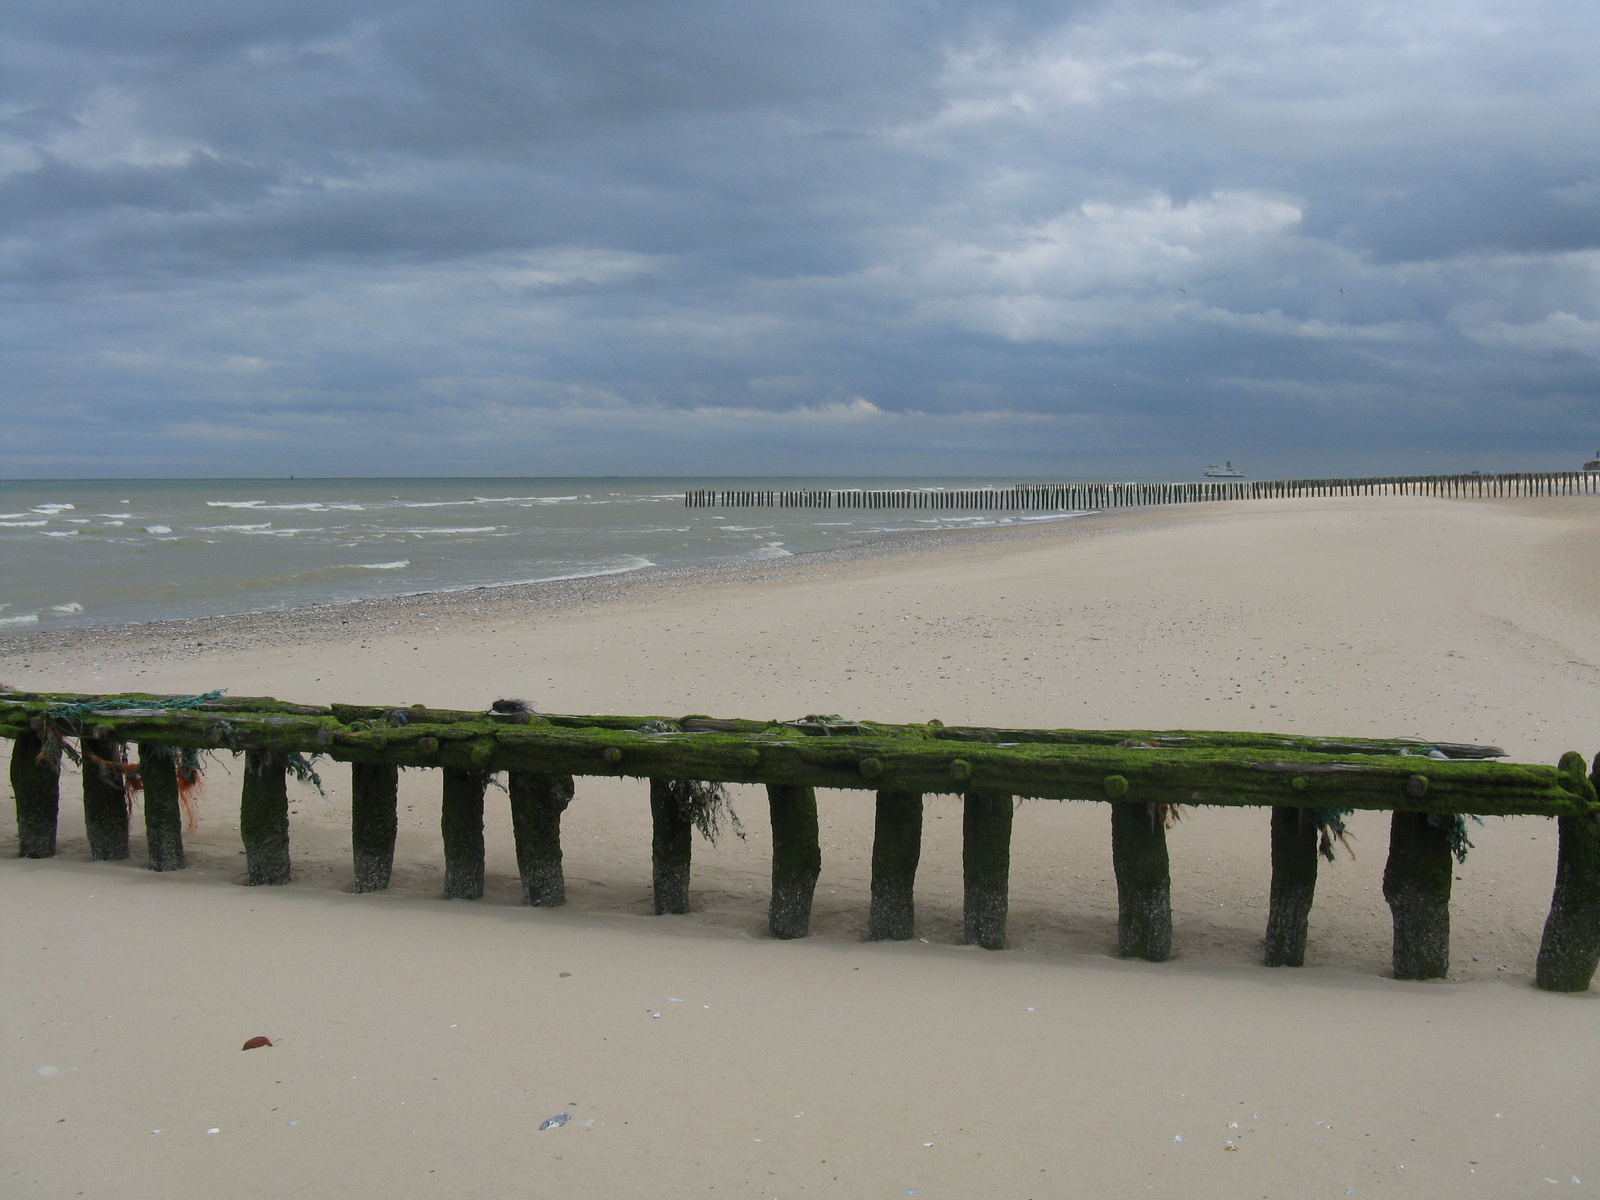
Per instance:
(1216,471)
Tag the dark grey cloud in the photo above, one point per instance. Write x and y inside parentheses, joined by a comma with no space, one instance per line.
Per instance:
(535,237)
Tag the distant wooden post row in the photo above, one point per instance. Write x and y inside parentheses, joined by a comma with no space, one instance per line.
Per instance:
(1141,774)
(1082,497)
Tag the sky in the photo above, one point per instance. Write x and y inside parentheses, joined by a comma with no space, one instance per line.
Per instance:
(882,237)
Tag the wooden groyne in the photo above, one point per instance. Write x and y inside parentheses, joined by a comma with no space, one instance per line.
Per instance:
(1308,783)
(1078,497)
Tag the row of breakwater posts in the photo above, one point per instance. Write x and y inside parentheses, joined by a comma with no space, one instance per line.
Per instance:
(1309,784)
(1077,497)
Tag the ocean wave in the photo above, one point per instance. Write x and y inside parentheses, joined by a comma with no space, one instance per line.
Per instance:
(267,531)
(117,516)
(772,550)
(23,524)
(232,528)
(158,529)
(234,503)
(61,533)
(28,619)
(632,562)
(11,516)
(53,509)
(388,566)
(450,529)
(521,499)
(72,606)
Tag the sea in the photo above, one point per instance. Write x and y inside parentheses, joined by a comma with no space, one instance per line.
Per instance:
(107,552)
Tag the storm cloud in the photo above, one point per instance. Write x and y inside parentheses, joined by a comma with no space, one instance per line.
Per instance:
(703,237)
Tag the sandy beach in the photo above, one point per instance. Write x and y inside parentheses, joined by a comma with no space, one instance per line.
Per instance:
(419,1044)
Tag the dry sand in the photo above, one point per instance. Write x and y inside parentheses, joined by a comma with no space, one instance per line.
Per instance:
(419,1044)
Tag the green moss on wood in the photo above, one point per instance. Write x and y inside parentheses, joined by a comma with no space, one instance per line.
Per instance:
(896,851)
(374,820)
(1255,769)
(1570,949)
(105,800)
(671,846)
(1144,886)
(36,786)
(461,823)
(1294,885)
(1416,884)
(796,859)
(985,868)
(264,817)
(163,813)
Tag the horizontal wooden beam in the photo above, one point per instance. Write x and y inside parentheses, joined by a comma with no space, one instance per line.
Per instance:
(1217,768)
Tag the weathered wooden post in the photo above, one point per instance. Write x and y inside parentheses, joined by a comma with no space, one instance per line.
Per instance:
(461,823)
(1570,949)
(1294,885)
(36,784)
(374,819)
(105,800)
(1144,886)
(163,814)
(1416,884)
(896,851)
(671,846)
(796,859)
(537,802)
(264,817)
(985,868)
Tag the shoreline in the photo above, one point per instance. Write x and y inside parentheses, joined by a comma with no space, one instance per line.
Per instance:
(327,619)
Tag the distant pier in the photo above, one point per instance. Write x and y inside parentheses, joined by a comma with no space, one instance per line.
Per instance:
(1080,497)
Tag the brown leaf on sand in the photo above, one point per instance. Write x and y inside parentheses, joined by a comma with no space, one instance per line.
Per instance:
(256,1043)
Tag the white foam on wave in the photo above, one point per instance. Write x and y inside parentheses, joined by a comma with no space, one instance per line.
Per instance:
(117,516)
(72,606)
(268,531)
(521,499)
(52,509)
(234,503)
(773,550)
(452,529)
(232,528)
(631,562)
(158,529)
(23,524)
(28,619)
(388,566)
(61,533)
(11,516)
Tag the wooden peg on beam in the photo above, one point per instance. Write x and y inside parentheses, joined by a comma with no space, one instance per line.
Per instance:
(36,785)
(796,859)
(264,817)
(374,820)
(163,813)
(985,868)
(896,851)
(1294,885)
(461,823)
(537,802)
(105,800)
